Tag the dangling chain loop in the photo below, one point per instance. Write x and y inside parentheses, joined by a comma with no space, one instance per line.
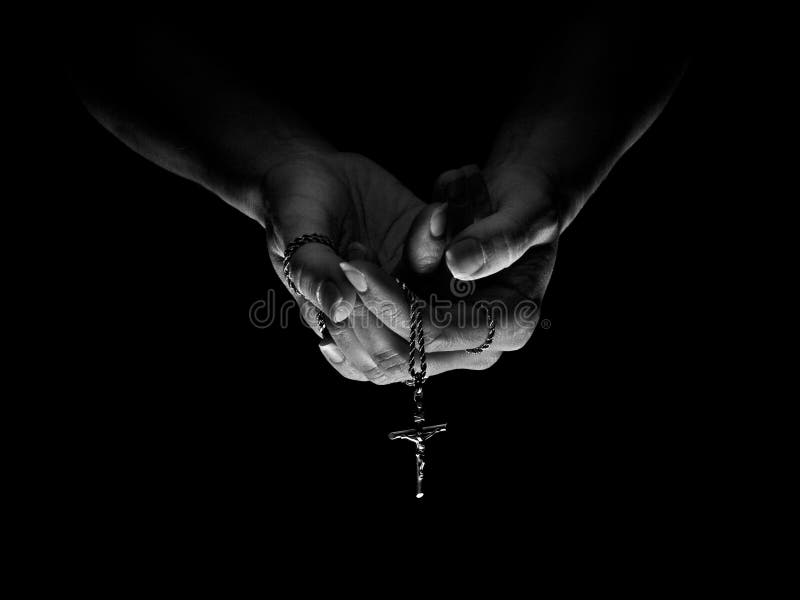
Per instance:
(489,338)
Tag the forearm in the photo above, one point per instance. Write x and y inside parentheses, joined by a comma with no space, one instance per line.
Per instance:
(603,83)
(172,105)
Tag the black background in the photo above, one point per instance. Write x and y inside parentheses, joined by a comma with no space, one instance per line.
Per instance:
(181,412)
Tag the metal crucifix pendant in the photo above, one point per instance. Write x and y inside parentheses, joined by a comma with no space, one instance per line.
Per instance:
(419,435)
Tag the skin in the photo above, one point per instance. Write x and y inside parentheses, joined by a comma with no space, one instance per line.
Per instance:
(605,80)
(373,342)
(602,81)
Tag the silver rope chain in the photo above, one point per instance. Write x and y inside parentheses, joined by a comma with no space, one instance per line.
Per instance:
(416,338)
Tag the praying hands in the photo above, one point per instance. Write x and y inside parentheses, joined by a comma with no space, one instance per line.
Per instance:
(479,253)
(371,343)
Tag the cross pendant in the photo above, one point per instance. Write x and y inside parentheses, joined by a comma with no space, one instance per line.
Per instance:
(419,435)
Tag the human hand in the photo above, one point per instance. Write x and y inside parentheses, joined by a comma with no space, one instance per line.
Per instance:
(352,201)
(512,209)
(373,344)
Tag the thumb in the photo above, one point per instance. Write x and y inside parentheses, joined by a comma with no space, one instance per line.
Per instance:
(456,195)
(501,238)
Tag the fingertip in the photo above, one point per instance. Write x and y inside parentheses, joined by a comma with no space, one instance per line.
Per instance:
(426,241)
(336,358)
(309,312)
(438,221)
(354,276)
(335,303)
(341,311)
(465,258)
(331,352)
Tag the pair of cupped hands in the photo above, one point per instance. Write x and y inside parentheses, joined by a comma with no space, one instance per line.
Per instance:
(487,239)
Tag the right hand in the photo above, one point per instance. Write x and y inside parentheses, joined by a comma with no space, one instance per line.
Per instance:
(373,344)
(520,212)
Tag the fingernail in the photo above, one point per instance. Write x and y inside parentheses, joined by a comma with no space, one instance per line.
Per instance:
(438,221)
(354,276)
(330,296)
(332,352)
(341,311)
(465,257)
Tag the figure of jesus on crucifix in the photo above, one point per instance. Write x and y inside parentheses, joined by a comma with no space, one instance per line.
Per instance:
(419,436)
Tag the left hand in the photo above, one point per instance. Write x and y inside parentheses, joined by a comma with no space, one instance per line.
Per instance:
(359,206)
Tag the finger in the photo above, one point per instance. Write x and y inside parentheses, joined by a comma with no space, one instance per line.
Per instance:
(380,294)
(498,241)
(367,346)
(451,186)
(442,362)
(314,270)
(364,344)
(448,325)
(310,313)
(364,349)
(337,360)
(305,203)
(438,363)
(481,202)
(494,235)
(389,354)
(382,357)
(426,240)
(387,351)
(358,251)
(513,300)
(467,196)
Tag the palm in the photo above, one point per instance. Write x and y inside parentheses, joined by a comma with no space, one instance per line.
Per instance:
(357,201)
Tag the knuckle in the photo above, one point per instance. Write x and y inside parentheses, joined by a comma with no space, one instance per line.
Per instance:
(352,376)
(340,335)
(391,370)
(376,375)
(387,360)
(434,338)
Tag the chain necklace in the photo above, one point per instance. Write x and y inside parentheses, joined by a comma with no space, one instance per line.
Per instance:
(416,355)
(417,365)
